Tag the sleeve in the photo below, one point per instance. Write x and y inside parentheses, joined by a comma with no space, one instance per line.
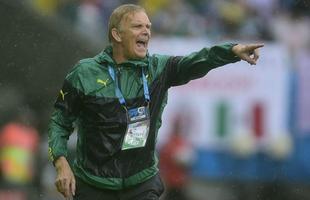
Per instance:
(198,64)
(67,108)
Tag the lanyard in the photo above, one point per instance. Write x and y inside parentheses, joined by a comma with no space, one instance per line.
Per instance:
(118,91)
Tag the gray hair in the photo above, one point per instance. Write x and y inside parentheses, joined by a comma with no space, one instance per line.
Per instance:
(119,13)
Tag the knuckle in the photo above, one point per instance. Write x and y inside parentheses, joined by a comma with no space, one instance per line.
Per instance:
(63,179)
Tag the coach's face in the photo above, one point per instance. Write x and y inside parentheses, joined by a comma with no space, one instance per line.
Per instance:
(135,33)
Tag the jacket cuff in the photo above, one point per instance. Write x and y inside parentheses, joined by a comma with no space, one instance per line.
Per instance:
(53,157)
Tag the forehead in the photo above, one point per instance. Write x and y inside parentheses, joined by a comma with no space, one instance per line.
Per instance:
(136,17)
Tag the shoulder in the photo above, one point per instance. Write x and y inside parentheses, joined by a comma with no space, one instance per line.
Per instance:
(84,67)
(160,59)
(161,62)
(83,71)
(158,62)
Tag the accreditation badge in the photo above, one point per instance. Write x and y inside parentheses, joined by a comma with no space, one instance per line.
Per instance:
(137,129)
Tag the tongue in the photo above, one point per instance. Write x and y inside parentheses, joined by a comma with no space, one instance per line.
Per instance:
(139,44)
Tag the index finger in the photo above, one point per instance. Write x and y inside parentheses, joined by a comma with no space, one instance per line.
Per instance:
(251,47)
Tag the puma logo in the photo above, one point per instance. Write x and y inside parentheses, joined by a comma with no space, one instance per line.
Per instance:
(63,94)
(103,82)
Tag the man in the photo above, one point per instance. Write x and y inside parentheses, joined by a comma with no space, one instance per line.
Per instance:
(116,100)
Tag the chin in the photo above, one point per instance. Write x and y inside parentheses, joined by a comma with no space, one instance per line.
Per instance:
(140,55)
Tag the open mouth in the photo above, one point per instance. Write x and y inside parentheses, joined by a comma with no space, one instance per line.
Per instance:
(142,43)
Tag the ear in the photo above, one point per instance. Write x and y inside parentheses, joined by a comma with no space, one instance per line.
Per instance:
(116,35)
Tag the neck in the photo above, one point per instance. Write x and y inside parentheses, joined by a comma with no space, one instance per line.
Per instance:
(118,54)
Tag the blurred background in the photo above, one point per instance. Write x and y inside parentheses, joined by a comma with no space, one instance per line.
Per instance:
(241,132)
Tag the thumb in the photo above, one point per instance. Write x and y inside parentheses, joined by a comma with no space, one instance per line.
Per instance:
(248,59)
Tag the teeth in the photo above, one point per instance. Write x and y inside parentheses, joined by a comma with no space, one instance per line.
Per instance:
(141,43)
(142,40)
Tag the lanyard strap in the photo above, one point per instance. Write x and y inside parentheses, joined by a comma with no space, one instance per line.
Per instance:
(118,91)
(145,87)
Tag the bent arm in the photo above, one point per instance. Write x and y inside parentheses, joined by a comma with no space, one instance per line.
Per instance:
(67,108)
(59,130)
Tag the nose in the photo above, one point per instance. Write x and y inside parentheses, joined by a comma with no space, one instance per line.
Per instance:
(146,31)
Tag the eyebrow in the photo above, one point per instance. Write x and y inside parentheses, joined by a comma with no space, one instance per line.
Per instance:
(138,22)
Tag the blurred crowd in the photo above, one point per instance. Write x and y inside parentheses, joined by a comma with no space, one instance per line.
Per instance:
(267,20)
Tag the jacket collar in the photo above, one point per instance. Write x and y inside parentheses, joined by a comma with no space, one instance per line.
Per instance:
(106,57)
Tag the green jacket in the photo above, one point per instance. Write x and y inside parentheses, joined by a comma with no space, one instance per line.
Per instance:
(87,100)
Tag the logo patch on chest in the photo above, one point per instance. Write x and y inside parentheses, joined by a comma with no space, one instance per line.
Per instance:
(103,82)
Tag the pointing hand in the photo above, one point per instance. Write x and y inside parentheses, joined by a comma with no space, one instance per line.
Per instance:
(248,52)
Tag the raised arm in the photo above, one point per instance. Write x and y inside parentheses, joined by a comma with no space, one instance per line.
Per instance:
(197,64)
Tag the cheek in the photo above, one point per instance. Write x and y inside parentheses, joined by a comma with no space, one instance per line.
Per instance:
(132,46)
(129,44)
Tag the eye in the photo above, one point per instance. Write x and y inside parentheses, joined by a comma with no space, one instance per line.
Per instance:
(137,26)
